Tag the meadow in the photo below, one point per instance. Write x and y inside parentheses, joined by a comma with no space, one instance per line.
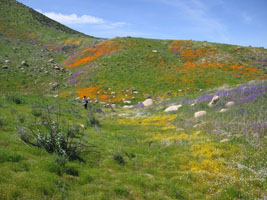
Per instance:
(140,153)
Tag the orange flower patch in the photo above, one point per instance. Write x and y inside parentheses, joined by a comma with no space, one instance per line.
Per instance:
(89,92)
(185,52)
(190,65)
(87,55)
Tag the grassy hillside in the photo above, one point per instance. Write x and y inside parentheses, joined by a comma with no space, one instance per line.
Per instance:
(52,148)
(21,22)
(111,70)
(33,48)
(138,154)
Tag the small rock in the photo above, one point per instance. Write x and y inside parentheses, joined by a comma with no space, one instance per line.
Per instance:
(154,51)
(229,104)
(200,113)
(56,68)
(172,108)
(113,106)
(51,60)
(7,61)
(128,106)
(193,104)
(5,67)
(148,102)
(224,140)
(135,92)
(214,100)
(24,63)
(126,101)
(81,125)
(223,110)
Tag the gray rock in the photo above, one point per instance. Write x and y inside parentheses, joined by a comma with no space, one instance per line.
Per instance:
(24,63)
(51,60)
(173,108)
(214,100)
(223,110)
(229,104)
(200,113)
(5,67)
(148,102)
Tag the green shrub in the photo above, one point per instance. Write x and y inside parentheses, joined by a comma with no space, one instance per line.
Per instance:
(119,158)
(37,112)
(15,99)
(54,136)
(6,156)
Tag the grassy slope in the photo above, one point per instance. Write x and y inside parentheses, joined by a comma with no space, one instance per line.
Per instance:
(26,35)
(123,64)
(167,156)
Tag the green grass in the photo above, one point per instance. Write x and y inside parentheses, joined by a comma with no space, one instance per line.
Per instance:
(143,156)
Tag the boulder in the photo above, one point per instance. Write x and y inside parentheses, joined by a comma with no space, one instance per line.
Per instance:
(173,108)
(148,102)
(5,67)
(229,104)
(7,61)
(214,100)
(127,106)
(127,101)
(223,110)
(200,113)
(51,60)
(24,63)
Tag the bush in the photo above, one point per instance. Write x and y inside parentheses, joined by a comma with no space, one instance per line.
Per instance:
(6,156)
(92,121)
(36,112)
(15,98)
(119,158)
(53,136)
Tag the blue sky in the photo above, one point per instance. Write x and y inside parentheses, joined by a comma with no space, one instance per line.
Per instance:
(240,22)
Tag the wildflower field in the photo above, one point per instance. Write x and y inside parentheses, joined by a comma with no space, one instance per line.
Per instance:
(141,153)
(120,148)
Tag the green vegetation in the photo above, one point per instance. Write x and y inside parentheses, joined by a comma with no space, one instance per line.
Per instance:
(52,148)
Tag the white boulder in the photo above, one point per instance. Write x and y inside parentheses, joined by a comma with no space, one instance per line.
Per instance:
(214,100)
(148,102)
(173,108)
(229,104)
(223,110)
(200,113)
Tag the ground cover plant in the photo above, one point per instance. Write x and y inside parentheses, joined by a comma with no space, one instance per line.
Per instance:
(53,148)
(144,153)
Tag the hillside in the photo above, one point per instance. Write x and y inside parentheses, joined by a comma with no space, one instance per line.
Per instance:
(203,135)
(32,49)
(161,68)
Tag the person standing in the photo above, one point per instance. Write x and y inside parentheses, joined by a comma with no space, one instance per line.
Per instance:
(85,102)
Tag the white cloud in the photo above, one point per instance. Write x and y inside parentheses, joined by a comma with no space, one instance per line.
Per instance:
(73,18)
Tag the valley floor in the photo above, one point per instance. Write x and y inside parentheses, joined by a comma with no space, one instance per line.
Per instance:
(139,154)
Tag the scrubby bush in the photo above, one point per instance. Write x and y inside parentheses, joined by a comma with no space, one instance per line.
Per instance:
(6,156)
(92,121)
(55,137)
(15,99)
(36,112)
(119,158)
